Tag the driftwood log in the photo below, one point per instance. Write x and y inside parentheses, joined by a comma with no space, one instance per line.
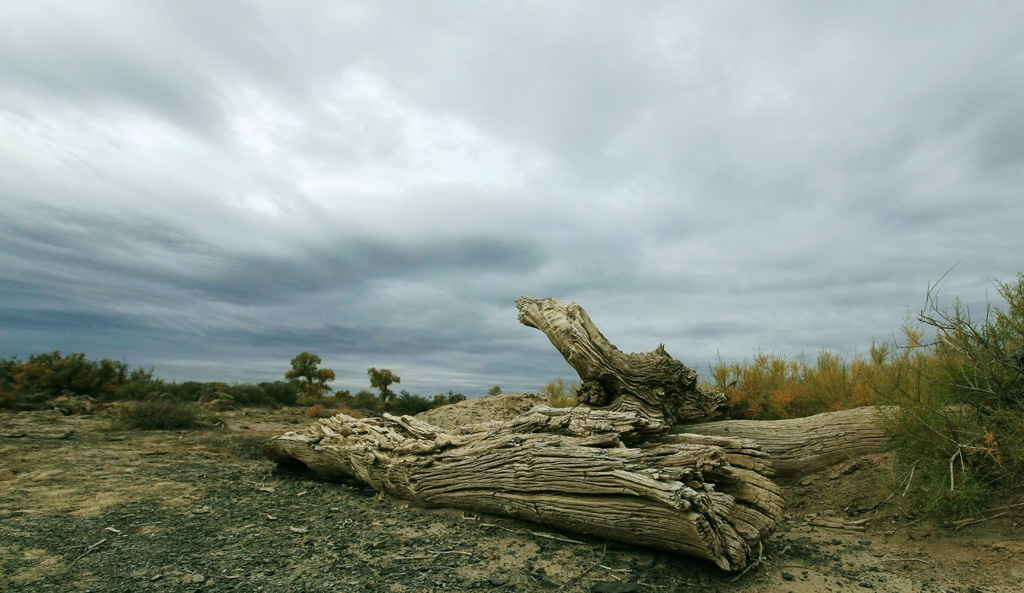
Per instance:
(805,445)
(614,466)
(596,472)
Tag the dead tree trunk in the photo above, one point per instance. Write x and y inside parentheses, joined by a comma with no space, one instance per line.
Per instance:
(611,469)
(654,385)
(804,445)
(597,472)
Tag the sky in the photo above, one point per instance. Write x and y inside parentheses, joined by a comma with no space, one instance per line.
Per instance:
(209,188)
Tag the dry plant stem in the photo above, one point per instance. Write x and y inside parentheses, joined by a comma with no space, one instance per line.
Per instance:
(587,471)
(1008,506)
(961,525)
(760,556)
(908,560)
(90,549)
(536,534)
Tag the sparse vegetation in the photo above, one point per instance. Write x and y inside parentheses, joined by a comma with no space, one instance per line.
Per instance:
(953,388)
(959,428)
(955,380)
(561,393)
(75,384)
(165,414)
(773,386)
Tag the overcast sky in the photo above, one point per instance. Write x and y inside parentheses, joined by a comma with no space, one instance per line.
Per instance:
(210,188)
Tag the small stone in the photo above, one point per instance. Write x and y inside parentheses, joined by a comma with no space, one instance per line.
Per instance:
(787,576)
(496,581)
(198,578)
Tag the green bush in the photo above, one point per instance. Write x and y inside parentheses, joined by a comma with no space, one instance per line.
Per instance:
(165,414)
(561,393)
(958,422)
(409,403)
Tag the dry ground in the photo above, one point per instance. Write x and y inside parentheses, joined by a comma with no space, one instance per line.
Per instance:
(84,507)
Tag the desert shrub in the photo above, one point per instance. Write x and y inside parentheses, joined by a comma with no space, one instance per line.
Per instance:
(409,403)
(451,397)
(284,393)
(140,389)
(165,414)
(772,386)
(958,420)
(247,394)
(560,393)
(367,403)
(74,374)
(319,411)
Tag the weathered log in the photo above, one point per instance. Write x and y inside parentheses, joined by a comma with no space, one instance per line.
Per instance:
(804,445)
(597,472)
(653,384)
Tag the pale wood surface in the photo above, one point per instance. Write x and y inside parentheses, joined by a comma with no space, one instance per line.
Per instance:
(805,445)
(652,384)
(595,472)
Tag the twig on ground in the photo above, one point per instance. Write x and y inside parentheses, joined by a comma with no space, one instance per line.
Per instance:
(966,522)
(89,549)
(760,556)
(908,560)
(432,554)
(536,533)
(604,551)
(838,524)
(1009,506)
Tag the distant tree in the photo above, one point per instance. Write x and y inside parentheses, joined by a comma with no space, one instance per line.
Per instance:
(304,372)
(496,390)
(365,401)
(443,400)
(381,380)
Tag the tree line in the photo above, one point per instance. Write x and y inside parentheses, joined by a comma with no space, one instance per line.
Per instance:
(35,383)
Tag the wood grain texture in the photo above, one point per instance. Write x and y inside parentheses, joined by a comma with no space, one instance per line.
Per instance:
(597,472)
(652,384)
(804,445)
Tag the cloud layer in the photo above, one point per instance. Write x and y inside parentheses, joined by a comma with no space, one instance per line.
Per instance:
(211,188)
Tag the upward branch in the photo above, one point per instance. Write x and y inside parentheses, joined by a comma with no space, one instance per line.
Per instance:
(652,384)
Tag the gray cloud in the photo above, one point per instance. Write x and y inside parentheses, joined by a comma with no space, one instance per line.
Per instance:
(210,188)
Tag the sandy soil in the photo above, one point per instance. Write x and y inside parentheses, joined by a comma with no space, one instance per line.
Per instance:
(84,507)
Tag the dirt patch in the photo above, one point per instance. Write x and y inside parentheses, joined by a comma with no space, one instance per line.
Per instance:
(504,406)
(106,510)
